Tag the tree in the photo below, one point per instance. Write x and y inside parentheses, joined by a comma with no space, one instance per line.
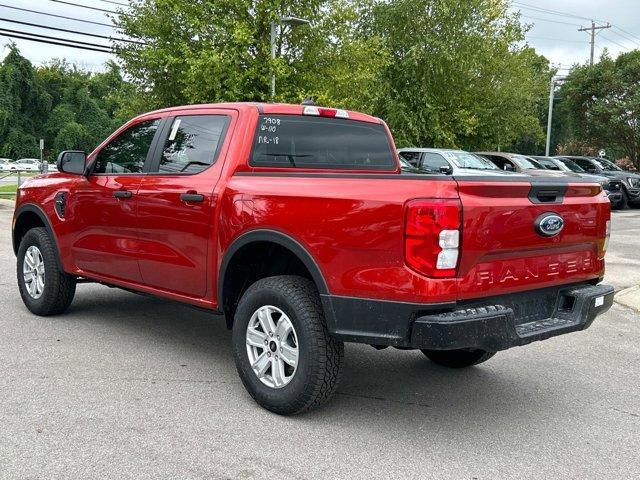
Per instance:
(194,51)
(458,77)
(68,108)
(603,103)
(24,105)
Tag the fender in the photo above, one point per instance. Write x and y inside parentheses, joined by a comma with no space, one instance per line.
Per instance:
(279,238)
(33,208)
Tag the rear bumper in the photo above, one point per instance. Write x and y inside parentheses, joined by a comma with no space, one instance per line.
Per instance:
(493,324)
(498,327)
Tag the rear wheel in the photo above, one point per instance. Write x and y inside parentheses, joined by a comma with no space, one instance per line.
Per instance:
(45,289)
(283,352)
(458,358)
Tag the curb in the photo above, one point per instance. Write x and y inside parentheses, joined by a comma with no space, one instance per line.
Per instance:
(629,297)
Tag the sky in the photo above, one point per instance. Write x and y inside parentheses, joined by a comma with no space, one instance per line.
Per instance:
(554,28)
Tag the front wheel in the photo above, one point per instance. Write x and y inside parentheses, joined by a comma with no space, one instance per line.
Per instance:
(458,358)
(45,289)
(283,352)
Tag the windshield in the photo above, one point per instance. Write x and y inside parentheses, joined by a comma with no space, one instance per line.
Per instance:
(469,160)
(571,165)
(607,165)
(526,163)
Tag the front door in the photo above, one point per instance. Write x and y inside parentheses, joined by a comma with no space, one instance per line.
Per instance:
(104,206)
(177,202)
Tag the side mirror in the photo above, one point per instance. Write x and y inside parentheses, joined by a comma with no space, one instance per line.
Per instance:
(446,169)
(509,168)
(72,161)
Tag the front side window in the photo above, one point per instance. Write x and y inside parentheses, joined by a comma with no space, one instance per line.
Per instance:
(193,143)
(128,151)
(297,141)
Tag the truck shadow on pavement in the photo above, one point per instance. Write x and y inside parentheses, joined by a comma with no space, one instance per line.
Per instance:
(388,384)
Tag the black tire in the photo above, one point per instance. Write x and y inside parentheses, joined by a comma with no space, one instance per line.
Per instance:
(320,357)
(624,203)
(458,358)
(59,287)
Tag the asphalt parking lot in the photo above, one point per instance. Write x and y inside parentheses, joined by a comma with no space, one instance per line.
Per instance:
(125,386)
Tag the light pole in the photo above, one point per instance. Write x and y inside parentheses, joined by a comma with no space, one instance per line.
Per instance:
(552,89)
(294,22)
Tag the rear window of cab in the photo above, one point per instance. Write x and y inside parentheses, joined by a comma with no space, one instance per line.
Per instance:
(297,141)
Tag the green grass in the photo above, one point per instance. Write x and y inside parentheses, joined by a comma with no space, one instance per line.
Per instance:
(7,189)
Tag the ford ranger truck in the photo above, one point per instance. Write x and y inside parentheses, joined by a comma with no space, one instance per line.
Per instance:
(296,224)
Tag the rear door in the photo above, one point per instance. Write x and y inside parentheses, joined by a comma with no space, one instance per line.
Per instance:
(503,248)
(177,203)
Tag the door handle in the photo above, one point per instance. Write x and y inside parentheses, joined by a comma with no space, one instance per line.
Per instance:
(191,197)
(122,194)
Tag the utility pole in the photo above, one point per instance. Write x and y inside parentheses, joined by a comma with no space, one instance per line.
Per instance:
(593,29)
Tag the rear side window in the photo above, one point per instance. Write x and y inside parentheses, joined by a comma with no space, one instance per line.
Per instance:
(433,161)
(548,164)
(193,143)
(317,142)
(412,157)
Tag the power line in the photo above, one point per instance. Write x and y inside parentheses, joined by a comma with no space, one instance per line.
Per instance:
(85,6)
(554,39)
(65,30)
(116,3)
(549,11)
(4,30)
(548,20)
(56,16)
(52,42)
(626,36)
(614,42)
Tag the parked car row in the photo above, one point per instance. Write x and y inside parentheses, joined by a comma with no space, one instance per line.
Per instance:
(24,165)
(622,187)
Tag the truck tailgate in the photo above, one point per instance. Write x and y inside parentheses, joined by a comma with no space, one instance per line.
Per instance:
(503,250)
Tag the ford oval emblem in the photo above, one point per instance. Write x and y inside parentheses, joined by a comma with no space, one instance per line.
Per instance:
(549,224)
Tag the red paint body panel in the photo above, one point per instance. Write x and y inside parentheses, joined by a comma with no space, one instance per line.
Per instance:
(501,251)
(351,225)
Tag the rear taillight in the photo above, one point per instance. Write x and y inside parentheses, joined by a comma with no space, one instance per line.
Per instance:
(607,235)
(432,236)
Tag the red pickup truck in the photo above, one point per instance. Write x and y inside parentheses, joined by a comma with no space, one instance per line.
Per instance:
(296,223)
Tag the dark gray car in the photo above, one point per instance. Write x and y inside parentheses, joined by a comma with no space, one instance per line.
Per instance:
(601,166)
(611,186)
